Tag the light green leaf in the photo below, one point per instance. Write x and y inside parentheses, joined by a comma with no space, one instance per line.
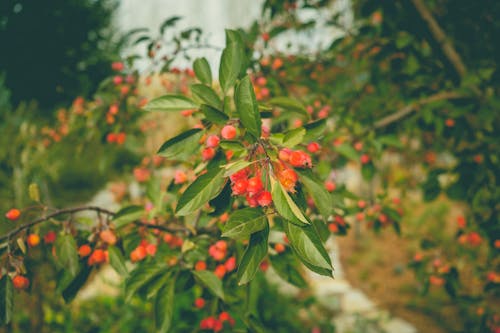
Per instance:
(203,189)
(232,61)
(347,151)
(235,166)
(117,261)
(182,145)
(127,215)
(244,222)
(67,254)
(285,205)
(202,70)
(322,198)
(206,95)
(286,265)
(171,102)
(294,137)
(314,130)
(164,306)
(253,256)
(289,104)
(309,248)
(246,106)
(211,281)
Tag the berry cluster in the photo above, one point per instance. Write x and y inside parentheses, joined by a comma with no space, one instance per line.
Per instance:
(251,187)
(217,324)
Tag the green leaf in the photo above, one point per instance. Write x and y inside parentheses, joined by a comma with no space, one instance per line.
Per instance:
(289,104)
(142,275)
(67,254)
(117,261)
(171,102)
(285,205)
(202,71)
(309,248)
(391,141)
(322,198)
(244,222)
(348,152)
(127,215)
(246,106)
(206,95)
(254,254)
(232,61)
(182,145)
(211,281)
(6,300)
(314,130)
(214,115)
(293,137)
(169,23)
(232,145)
(235,166)
(286,267)
(203,189)
(71,288)
(164,306)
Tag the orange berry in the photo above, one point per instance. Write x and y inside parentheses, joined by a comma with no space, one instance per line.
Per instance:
(13,214)
(33,240)
(279,247)
(220,271)
(84,250)
(20,282)
(108,237)
(200,266)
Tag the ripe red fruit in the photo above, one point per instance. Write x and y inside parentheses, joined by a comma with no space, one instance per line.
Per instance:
(117,80)
(208,153)
(200,266)
(20,282)
(138,254)
(252,200)
(151,249)
(225,316)
(358,146)
(333,227)
(117,66)
(313,147)
(364,159)
(220,271)
(113,109)
(180,177)
(84,250)
(33,240)
(108,237)
(330,186)
(279,247)
(120,138)
(254,185)
(288,178)
(212,141)
(228,132)
(300,159)
(13,214)
(264,198)
(239,187)
(265,36)
(242,174)
(284,154)
(50,237)
(97,257)
(199,303)
(361,204)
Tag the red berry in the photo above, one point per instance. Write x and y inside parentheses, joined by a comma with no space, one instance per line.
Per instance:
(151,249)
(20,282)
(84,250)
(364,159)
(252,200)
(212,141)
(13,214)
(50,237)
(279,247)
(138,254)
(242,174)
(313,147)
(208,153)
(117,80)
(254,185)
(264,198)
(97,257)
(230,264)
(330,186)
(220,271)
(117,66)
(228,132)
(108,237)
(239,187)
(199,303)
(200,266)
(300,159)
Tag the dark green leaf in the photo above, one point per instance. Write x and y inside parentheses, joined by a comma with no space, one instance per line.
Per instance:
(285,205)
(206,95)
(254,254)
(309,248)
(67,254)
(322,198)
(142,275)
(202,71)
(286,267)
(244,222)
(314,130)
(6,300)
(246,105)
(181,146)
(169,23)
(171,102)
(214,115)
(203,189)
(74,285)
(164,306)
(391,141)
(211,281)
(293,137)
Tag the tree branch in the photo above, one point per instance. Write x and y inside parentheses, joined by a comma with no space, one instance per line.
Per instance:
(54,214)
(414,107)
(443,41)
